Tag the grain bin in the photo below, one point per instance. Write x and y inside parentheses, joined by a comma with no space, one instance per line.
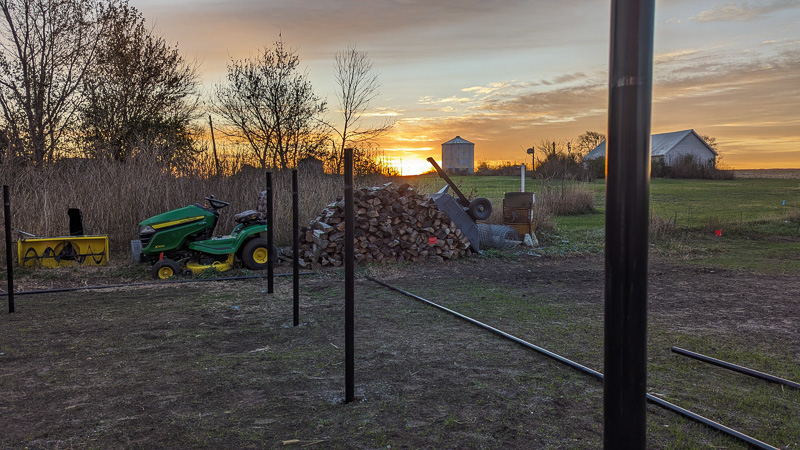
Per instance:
(458,156)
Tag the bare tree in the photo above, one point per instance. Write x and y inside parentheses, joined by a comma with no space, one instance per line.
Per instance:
(558,160)
(710,140)
(272,107)
(46,47)
(358,86)
(588,141)
(139,92)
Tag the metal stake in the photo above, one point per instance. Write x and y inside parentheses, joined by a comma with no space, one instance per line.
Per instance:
(9,256)
(627,223)
(349,273)
(295,248)
(270,238)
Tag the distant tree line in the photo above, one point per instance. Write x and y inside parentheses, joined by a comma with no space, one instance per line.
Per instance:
(88,78)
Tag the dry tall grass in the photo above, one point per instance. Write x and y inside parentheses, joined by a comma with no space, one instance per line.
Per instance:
(662,228)
(565,200)
(115,197)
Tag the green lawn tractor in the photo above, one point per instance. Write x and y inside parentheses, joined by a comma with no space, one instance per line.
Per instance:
(182,241)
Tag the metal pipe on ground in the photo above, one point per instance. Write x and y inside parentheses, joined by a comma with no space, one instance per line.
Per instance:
(500,333)
(593,373)
(109,286)
(735,367)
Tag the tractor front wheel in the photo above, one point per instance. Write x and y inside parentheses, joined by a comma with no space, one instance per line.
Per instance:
(255,254)
(164,269)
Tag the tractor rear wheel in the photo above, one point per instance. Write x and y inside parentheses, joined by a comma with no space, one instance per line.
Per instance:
(255,254)
(164,269)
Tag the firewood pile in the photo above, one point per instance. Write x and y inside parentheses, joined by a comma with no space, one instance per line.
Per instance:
(392,224)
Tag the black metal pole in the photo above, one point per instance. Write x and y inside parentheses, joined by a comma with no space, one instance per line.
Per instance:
(295,248)
(735,367)
(9,256)
(627,223)
(270,238)
(593,373)
(349,275)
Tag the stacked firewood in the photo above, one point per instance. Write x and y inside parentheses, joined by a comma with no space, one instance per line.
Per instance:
(392,224)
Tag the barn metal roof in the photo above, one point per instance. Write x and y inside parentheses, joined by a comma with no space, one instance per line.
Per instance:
(458,140)
(660,144)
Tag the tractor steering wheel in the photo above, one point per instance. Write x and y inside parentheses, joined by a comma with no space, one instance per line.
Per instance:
(216,204)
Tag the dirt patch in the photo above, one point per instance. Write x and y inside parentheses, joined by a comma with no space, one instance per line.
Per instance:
(218,365)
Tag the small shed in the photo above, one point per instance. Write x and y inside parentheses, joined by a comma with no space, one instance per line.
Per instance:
(458,156)
(669,148)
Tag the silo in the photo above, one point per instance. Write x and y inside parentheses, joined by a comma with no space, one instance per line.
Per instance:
(458,156)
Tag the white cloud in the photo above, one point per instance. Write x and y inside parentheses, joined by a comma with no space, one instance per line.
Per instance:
(429,100)
(673,55)
(743,10)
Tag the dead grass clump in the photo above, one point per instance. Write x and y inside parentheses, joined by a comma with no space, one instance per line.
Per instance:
(691,167)
(541,219)
(793,216)
(713,223)
(565,200)
(662,229)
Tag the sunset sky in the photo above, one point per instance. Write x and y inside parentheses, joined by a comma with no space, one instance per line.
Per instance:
(506,74)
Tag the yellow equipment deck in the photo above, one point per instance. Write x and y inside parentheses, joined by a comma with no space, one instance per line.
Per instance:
(62,251)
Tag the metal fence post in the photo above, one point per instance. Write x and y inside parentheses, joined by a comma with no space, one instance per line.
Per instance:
(9,254)
(627,223)
(295,248)
(270,238)
(349,270)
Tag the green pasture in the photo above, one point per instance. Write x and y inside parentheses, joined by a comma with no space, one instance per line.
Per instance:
(758,218)
(691,202)
(494,188)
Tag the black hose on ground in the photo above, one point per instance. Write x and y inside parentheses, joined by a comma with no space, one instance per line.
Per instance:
(107,286)
(595,374)
(735,368)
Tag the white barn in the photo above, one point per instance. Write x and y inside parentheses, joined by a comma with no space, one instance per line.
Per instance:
(669,148)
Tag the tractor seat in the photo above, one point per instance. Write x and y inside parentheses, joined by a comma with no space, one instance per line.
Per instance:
(254,214)
(248,216)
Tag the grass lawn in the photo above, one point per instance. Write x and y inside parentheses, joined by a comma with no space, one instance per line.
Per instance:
(219,365)
(758,218)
